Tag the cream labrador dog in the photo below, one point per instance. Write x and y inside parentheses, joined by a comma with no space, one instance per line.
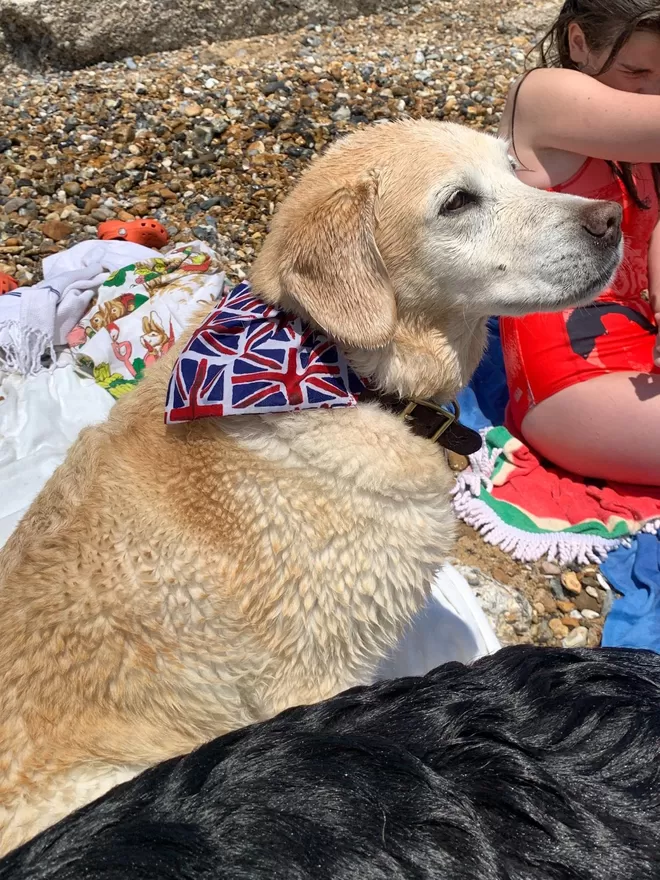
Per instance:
(258,562)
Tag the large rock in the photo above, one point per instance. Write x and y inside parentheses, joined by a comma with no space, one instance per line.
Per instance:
(5,57)
(531,19)
(76,33)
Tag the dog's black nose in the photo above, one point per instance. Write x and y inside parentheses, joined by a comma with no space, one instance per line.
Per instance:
(602,220)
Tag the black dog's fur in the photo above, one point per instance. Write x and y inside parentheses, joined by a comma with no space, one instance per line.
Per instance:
(534,764)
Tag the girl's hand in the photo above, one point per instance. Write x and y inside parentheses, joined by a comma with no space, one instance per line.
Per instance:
(656,347)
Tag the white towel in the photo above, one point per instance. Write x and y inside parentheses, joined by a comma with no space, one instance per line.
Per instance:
(452,626)
(40,417)
(33,320)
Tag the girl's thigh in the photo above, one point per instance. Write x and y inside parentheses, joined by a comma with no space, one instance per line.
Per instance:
(607,427)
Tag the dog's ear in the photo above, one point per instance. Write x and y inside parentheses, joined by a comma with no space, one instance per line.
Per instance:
(331,267)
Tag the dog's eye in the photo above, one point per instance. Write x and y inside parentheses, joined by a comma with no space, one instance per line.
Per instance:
(458,202)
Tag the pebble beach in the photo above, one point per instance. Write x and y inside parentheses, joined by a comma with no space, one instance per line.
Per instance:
(209,139)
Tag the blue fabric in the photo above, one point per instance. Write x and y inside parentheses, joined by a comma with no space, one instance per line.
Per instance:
(484,400)
(634,621)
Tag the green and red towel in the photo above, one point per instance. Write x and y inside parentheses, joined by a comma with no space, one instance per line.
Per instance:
(530,509)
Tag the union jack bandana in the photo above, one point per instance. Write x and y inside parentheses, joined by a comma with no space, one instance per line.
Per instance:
(250,357)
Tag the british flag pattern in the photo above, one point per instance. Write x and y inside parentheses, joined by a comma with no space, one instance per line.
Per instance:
(251,357)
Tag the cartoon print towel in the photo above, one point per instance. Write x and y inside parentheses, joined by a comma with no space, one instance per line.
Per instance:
(140,312)
(35,320)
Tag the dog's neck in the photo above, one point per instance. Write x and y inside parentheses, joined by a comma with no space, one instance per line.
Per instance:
(427,358)
(422,362)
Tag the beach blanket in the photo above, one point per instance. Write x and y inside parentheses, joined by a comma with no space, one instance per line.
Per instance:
(528,507)
(140,312)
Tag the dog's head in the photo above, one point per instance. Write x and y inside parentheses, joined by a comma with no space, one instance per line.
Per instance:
(403,238)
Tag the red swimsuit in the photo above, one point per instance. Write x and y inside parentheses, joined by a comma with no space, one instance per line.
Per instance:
(545,353)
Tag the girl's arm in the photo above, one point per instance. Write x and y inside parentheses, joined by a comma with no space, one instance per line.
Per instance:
(654,284)
(570,111)
(654,269)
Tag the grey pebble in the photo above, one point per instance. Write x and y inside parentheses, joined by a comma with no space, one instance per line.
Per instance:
(14,205)
(341,114)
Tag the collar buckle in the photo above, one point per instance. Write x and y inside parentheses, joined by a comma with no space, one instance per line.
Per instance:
(449,417)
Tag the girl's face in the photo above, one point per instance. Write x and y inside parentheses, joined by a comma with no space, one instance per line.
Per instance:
(635,69)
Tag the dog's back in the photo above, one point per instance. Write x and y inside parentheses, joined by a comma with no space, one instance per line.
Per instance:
(532,763)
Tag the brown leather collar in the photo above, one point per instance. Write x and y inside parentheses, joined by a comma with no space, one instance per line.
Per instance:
(431,420)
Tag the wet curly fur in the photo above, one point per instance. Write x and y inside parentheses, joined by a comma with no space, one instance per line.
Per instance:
(533,763)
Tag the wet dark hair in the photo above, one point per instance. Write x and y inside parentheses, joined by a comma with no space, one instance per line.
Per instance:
(603,23)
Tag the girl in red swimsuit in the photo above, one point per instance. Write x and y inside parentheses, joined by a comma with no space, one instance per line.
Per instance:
(585,383)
